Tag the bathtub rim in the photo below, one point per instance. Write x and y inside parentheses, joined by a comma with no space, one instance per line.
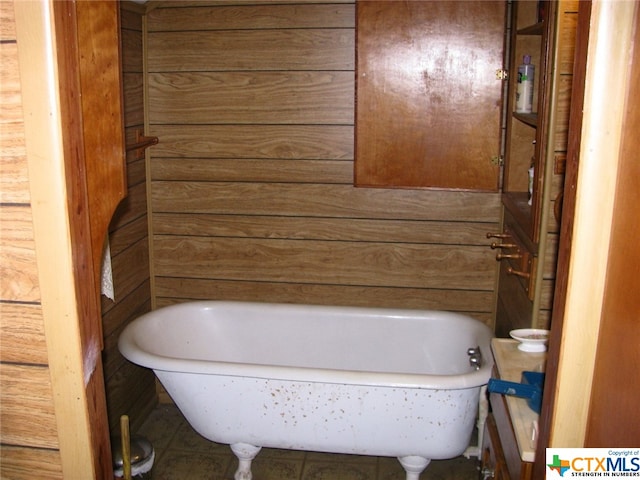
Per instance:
(133,352)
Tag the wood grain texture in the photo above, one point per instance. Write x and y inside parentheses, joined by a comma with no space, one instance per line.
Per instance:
(264,17)
(171,290)
(27,422)
(14,186)
(325,142)
(342,201)
(18,268)
(19,463)
(100,73)
(251,185)
(428,101)
(613,419)
(7,21)
(27,417)
(347,263)
(252,170)
(252,97)
(22,334)
(320,228)
(333,49)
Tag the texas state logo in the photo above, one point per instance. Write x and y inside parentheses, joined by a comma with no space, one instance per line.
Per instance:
(593,462)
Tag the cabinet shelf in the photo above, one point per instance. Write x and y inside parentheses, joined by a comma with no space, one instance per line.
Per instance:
(530,119)
(535,29)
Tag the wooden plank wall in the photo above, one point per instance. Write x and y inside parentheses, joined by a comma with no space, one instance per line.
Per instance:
(130,389)
(252,182)
(28,430)
(567,26)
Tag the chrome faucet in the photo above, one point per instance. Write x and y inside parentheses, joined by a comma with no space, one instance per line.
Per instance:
(475,357)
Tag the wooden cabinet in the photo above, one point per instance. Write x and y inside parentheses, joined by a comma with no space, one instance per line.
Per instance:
(508,448)
(500,459)
(493,464)
(535,143)
(428,103)
(532,29)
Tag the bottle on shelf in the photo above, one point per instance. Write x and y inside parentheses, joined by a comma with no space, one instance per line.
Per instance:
(524,89)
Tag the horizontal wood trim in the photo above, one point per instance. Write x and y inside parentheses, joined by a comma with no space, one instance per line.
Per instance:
(23,463)
(456,234)
(261,17)
(333,49)
(252,97)
(252,170)
(254,141)
(348,263)
(324,201)
(22,337)
(477,303)
(18,268)
(27,416)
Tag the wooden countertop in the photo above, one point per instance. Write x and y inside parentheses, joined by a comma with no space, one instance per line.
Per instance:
(510,363)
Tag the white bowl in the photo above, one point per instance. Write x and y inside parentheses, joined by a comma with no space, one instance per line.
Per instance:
(531,339)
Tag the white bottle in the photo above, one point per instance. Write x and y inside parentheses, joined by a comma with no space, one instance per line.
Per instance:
(524,89)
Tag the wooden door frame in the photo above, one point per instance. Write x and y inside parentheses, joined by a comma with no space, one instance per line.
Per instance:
(586,231)
(69,226)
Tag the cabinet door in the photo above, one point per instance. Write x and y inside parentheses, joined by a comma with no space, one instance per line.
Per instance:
(493,464)
(428,100)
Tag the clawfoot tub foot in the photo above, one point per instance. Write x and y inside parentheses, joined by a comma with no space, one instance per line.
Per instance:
(413,465)
(245,453)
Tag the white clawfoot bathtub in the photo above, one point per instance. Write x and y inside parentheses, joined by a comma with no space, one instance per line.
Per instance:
(397,383)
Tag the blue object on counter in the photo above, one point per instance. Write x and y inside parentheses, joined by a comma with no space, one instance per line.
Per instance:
(530,388)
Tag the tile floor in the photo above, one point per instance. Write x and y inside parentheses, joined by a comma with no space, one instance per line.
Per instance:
(182,454)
